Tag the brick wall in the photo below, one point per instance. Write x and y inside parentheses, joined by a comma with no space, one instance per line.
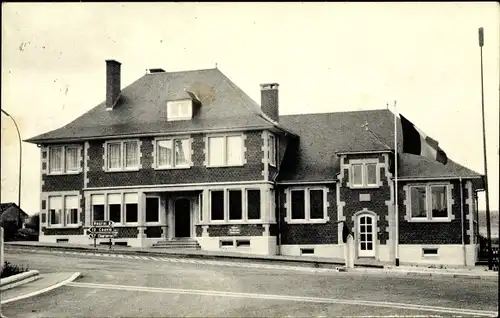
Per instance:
(355,198)
(245,230)
(198,173)
(65,182)
(433,232)
(326,233)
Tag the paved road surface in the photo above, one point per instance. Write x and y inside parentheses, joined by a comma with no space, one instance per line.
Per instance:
(159,287)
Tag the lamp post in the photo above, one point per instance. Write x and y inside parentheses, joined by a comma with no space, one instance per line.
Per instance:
(20,158)
(488,222)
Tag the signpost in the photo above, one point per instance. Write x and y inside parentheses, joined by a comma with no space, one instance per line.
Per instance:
(102,230)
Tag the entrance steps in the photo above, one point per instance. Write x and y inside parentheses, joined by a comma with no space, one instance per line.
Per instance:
(177,244)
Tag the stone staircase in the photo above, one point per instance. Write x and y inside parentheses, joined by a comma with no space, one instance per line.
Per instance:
(177,244)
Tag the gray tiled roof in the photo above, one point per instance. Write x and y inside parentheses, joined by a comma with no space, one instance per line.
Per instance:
(142,109)
(324,135)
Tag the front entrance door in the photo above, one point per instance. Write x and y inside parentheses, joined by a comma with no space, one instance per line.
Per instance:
(366,236)
(182,208)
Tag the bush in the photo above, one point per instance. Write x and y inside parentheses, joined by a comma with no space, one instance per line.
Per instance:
(26,234)
(10,228)
(11,269)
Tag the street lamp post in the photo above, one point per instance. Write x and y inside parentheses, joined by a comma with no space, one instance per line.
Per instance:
(488,222)
(20,164)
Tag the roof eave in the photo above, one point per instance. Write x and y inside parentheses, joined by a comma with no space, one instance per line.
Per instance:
(136,135)
(420,178)
(340,153)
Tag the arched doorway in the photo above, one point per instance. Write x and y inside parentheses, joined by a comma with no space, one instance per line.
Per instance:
(366,235)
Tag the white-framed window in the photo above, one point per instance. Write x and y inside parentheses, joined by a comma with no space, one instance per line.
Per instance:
(64,210)
(121,208)
(114,207)
(122,155)
(273,150)
(71,208)
(98,207)
(429,202)
(152,209)
(56,211)
(307,205)
(235,205)
(179,109)
(225,150)
(64,159)
(364,174)
(131,201)
(173,153)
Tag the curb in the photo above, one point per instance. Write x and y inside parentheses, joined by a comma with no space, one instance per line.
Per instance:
(254,259)
(18,279)
(44,290)
(429,274)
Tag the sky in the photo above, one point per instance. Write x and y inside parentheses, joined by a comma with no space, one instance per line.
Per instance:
(327,57)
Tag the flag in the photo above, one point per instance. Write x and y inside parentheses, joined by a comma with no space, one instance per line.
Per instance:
(417,143)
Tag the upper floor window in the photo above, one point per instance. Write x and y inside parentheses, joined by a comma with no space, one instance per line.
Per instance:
(122,155)
(273,146)
(364,174)
(307,205)
(64,159)
(179,109)
(429,202)
(173,153)
(225,150)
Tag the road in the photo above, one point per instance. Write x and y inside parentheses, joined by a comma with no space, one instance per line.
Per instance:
(155,287)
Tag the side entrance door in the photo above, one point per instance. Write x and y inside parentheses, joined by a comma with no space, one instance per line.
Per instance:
(366,237)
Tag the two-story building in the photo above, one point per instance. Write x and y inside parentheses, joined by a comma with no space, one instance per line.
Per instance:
(188,156)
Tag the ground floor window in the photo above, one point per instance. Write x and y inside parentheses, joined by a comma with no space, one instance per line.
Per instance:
(63,210)
(152,209)
(429,202)
(307,205)
(235,205)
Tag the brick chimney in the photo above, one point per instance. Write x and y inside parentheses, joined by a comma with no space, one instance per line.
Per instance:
(113,85)
(269,103)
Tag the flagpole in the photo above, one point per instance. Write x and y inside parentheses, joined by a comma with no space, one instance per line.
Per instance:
(488,222)
(396,207)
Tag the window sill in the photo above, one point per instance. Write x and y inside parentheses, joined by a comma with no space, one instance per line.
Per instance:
(122,170)
(72,226)
(435,220)
(233,222)
(154,224)
(272,165)
(225,166)
(355,187)
(315,221)
(173,168)
(63,173)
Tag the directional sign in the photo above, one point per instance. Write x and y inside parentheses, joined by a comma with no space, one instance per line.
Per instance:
(102,223)
(100,229)
(102,235)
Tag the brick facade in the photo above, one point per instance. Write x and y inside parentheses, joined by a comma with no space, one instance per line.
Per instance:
(371,199)
(448,232)
(198,173)
(244,230)
(323,233)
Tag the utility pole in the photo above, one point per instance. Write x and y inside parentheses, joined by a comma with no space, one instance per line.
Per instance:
(488,220)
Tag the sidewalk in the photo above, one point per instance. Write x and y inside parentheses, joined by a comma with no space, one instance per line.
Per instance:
(361,265)
(45,283)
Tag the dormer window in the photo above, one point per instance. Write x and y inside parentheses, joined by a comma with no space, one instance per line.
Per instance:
(179,109)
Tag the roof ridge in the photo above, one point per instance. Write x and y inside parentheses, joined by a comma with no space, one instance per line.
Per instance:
(338,112)
(184,71)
